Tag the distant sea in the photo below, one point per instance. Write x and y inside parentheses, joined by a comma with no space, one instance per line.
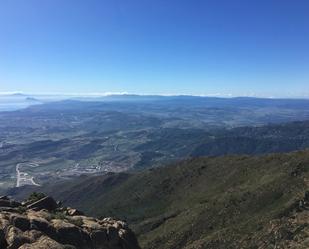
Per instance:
(13,104)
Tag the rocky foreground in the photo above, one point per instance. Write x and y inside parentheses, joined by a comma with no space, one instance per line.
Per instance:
(44,224)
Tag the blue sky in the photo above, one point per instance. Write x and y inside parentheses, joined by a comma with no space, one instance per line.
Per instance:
(239,47)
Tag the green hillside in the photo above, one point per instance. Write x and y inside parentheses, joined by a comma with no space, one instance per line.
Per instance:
(216,202)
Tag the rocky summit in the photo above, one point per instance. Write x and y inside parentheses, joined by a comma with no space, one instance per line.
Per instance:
(40,223)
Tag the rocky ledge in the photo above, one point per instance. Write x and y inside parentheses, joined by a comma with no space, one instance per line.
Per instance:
(43,223)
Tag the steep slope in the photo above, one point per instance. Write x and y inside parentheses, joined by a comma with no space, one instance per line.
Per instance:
(215,202)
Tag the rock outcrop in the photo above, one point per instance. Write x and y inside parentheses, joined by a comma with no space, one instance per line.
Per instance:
(44,224)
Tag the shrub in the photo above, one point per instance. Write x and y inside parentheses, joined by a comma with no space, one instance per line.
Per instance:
(35,196)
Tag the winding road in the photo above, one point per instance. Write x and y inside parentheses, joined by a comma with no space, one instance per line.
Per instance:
(22,178)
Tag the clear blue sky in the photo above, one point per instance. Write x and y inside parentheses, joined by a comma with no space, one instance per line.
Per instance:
(240,47)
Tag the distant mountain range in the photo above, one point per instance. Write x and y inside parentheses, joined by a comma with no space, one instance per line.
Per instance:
(171,99)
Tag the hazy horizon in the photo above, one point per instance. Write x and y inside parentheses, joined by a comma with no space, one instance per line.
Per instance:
(106,94)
